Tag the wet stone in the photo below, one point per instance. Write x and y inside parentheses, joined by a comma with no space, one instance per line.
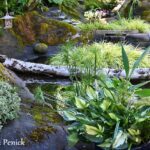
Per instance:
(33,131)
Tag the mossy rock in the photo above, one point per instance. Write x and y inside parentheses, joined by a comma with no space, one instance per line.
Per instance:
(32,27)
(40,48)
(2,73)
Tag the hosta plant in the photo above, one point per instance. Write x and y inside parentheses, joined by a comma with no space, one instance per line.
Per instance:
(9,103)
(108,112)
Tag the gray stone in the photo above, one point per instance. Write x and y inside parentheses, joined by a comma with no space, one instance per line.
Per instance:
(9,45)
(23,127)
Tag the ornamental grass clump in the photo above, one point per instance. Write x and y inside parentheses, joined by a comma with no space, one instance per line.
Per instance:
(121,24)
(107,55)
(9,103)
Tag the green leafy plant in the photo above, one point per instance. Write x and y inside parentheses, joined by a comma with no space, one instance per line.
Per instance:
(20,6)
(39,95)
(108,112)
(9,103)
(135,65)
(133,5)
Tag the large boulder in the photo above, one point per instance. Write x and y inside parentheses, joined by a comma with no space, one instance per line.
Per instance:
(32,27)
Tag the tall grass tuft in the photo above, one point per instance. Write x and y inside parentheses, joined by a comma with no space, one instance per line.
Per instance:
(97,55)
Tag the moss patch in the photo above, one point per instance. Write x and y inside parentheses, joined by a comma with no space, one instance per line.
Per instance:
(44,118)
(2,74)
(38,134)
(32,27)
(42,114)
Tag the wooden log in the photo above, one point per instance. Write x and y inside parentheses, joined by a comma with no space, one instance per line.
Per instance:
(64,71)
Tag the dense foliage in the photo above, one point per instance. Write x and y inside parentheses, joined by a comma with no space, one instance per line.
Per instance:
(108,55)
(9,103)
(106,111)
(22,5)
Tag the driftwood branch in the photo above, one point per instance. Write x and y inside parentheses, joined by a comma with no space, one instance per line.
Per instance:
(64,71)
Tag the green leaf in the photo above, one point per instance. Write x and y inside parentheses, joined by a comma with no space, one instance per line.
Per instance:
(114,117)
(116,130)
(125,61)
(108,94)
(72,139)
(80,103)
(133,132)
(135,135)
(68,115)
(134,87)
(106,144)
(143,93)
(137,62)
(91,130)
(94,139)
(120,140)
(105,105)
(91,93)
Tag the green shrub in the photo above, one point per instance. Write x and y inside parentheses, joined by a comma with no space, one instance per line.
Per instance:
(108,55)
(122,24)
(108,111)
(9,103)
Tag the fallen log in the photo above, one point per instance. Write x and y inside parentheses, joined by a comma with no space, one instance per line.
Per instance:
(64,71)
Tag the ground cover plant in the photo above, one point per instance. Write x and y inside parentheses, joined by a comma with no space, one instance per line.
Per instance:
(108,111)
(9,103)
(108,55)
(121,24)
